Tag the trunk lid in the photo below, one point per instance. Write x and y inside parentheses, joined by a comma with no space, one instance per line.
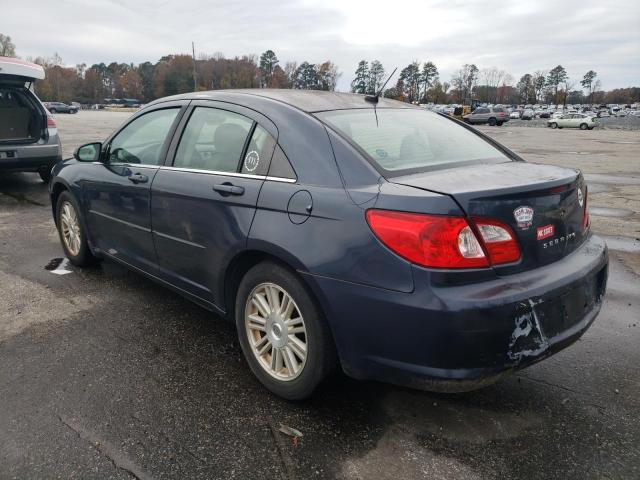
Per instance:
(540,203)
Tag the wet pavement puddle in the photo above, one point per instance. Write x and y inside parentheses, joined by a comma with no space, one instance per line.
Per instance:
(611,212)
(623,244)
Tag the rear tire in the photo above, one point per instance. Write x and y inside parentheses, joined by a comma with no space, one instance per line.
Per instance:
(499,123)
(45,174)
(289,349)
(53,110)
(492,122)
(71,231)
(583,126)
(553,125)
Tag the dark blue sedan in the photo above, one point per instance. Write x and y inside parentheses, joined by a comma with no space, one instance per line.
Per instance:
(338,230)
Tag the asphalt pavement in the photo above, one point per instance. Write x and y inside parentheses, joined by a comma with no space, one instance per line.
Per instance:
(104,374)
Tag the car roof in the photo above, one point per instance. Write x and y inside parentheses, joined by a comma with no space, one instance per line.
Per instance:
(306,100)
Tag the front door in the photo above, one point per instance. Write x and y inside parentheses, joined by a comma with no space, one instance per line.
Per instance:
(204,204)
(117,195)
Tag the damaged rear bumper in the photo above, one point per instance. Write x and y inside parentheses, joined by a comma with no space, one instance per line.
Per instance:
(462,337)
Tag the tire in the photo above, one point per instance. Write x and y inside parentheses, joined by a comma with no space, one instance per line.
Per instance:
(272,282)
(583,126)
(499,123)
(492,122)
(53,110)
(45,174)
(78,253)
(553,125)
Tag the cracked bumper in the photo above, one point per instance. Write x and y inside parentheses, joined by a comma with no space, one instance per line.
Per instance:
(456,338)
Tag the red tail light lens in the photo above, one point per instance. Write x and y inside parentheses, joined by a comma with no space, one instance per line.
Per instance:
(499,240)
(50,121)
(440,241)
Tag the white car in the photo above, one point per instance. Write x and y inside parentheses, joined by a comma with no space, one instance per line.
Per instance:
(514,114)
(573,120)
(558,114)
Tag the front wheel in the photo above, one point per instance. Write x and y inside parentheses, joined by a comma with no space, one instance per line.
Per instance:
(282,332)
(583,126)
(53,110)
(492,122)
(553,125)
(72,234)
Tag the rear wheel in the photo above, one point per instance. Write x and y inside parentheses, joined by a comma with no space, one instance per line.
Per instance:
(553,125)
(283,334)
(583,126)
(53,110)
(492,122)
(72,235)
(45,174)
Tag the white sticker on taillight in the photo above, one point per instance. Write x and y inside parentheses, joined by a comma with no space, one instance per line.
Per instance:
(468,244)
(494,233)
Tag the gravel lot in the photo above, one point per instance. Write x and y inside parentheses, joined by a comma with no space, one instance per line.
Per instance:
(104,374)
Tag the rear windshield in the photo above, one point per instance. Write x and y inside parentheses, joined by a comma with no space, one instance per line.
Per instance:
(402,141)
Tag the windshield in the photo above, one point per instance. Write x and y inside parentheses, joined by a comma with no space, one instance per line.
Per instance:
(404,141)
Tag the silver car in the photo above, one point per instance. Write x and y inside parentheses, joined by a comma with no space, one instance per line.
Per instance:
(29,140)
(489,115)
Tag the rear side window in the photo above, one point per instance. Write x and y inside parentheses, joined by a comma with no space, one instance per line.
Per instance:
(402,141)
(498,109)
(213,140)
(141,140)
(256,159)
(280,166)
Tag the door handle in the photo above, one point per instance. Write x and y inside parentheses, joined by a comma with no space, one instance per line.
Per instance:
(138,178)
(228,189)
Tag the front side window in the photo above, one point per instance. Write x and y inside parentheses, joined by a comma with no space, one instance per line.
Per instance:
(213,140)
(403,141)
(141,141)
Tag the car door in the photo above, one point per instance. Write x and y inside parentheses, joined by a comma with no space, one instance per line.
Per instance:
(117,192)
(204,202)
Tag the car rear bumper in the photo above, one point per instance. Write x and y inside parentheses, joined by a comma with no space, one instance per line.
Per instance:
(27,158)
(455,338)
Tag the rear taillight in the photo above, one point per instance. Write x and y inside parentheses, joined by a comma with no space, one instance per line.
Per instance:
(585,215)
(440,241)
(499,240)
(51,123)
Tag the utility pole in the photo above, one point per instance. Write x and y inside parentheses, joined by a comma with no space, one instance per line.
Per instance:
(193,50)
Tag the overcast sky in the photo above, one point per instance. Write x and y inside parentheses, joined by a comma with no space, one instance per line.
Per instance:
(517,36)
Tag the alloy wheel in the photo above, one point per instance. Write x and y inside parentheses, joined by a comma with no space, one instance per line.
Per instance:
(70,227)
(276,331)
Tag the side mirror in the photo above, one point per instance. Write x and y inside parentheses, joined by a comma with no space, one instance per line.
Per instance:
(88,153)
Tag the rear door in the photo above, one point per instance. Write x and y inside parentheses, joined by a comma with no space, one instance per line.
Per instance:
(117,191)
(205,200)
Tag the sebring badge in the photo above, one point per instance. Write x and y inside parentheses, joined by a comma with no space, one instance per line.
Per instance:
(580,197)
(524,217)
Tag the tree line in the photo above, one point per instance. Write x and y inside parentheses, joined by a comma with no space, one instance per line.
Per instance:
(416,83)
(420,83)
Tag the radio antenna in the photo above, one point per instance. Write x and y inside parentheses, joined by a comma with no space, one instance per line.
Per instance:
(374,98)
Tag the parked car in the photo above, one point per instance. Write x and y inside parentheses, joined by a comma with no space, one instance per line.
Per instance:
(333,233)
(573,120)
(558,114)
(29,139)
(515,114)
(59,107)
(544,114)
(528,114)
(603,114)
(489,115)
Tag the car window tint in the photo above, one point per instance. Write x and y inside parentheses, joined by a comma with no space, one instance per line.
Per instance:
(213,140)
(407,139)
(280,166)
(256,159)
(141,141)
